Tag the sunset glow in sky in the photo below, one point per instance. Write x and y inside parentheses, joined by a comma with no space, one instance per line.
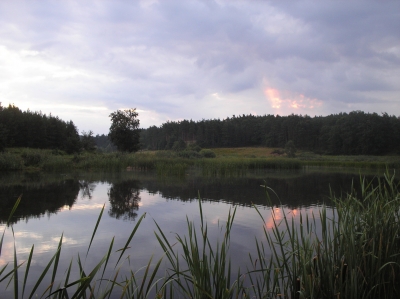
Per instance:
(174,60)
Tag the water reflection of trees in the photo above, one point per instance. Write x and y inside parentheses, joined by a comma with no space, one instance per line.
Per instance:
(37,200)
(44,195)
(124,199)
(87,188)
(294,191)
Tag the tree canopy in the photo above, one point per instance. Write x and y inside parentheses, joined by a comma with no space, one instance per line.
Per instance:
(124,130)
(354,133)
(36,130)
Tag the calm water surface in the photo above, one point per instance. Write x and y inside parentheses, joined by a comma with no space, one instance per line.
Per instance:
(70,203)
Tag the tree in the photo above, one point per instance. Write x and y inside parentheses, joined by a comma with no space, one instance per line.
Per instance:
(3,137)
(179,145)
(124,131)
(290,149)
(88,142)
(72,142)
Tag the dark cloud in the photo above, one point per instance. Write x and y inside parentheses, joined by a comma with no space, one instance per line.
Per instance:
(170,56)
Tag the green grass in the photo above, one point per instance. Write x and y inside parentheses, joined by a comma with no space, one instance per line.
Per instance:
(352,254)
(228,161)
(355,254)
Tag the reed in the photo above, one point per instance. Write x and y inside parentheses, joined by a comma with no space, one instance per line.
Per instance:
(353,253)
(205,271)
(10,161)
(168,168)
(91,283)
(240,166)
(56,163)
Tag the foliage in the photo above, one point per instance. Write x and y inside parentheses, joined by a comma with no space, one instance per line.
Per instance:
(72,142)
(124,130)
(206,271)
(354,133)
(230,162)
(290,149)
(207,153)
(351,254)
(3,137)
(10,161)
(179,145)
(194,147)
(36,130)
(278,152)
(90,282)
(188,154)
(104,144)
(33,157)
(87,141)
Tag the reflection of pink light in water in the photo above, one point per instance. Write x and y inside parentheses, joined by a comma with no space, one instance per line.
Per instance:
(277,215)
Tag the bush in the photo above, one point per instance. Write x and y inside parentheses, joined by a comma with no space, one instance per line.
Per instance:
(207,153)
(290,149)
(194,147)
(278,151)
(10,162)
(189,154)
(179,145)
(33,157)
(165,154)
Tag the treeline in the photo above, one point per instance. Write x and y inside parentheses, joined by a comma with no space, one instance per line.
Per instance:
(104,144)
(354,133)
(36,130)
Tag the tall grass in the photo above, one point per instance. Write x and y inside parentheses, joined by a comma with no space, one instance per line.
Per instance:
(354,253)
(240,166)
(206,268)
(91,283)
(10,162)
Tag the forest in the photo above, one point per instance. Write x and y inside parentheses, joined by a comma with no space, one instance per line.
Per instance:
(354,133)
(36,130)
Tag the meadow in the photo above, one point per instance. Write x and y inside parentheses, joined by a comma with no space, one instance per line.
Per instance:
(216,162)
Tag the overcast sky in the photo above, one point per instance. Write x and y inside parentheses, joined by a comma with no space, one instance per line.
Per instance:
(175,60)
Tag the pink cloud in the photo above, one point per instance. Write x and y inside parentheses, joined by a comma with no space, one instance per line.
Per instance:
(286,101)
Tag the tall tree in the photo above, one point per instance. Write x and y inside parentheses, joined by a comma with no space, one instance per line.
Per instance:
(124,130)
(88,142)
(72,142)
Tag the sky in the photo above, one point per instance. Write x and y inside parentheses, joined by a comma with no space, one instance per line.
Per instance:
(175,60)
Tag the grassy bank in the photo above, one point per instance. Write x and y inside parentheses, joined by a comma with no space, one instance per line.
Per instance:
(353,254)
(216,162)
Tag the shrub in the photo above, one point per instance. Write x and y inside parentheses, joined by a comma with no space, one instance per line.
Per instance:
(165,154)
(207,153)
(194,147)
(189,154)
(179,145)
(10,162)
(33,157)
(278,151)
(290,149)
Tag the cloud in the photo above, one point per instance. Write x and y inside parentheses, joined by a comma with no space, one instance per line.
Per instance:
(286,100)
(168,57)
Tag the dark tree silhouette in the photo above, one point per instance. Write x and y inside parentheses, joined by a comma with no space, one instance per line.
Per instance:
(124,130)
(124,199)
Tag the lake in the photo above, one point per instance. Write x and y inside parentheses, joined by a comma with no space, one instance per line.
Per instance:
(69,204)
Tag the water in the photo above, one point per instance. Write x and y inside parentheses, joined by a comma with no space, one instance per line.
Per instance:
(69,204)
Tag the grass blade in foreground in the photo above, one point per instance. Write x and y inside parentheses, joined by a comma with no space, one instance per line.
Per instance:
(208,269)
(355,254)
